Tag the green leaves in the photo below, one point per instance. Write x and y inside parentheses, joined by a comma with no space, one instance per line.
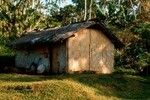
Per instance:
(20,16)
(144,59)
(143,30)
(118,12)
(4,15)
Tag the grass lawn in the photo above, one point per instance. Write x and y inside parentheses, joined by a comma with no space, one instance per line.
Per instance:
(74,87)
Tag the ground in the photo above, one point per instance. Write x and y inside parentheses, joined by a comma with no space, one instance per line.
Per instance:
(74,87)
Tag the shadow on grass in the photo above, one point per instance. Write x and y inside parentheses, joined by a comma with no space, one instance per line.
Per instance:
(118,85)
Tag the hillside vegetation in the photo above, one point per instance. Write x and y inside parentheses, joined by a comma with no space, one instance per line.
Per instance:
(74,87)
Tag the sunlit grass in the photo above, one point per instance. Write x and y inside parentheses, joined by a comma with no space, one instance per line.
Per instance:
(73,87)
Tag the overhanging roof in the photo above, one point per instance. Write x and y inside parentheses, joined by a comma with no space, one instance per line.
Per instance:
(59,34)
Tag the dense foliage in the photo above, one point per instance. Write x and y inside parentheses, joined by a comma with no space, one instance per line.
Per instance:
(136,54)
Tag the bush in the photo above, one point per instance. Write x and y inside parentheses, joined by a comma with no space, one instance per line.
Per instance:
(136,54)
(5,50)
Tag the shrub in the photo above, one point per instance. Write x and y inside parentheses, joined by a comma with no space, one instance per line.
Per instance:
(5,50)
(136,54)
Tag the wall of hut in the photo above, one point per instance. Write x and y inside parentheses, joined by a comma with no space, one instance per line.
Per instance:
(78,51)
(27,58)
(101,52)
(90,50)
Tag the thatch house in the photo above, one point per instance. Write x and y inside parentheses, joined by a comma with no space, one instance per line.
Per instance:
(84,46)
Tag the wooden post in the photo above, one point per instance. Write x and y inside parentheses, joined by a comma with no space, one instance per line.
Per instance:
(89,49)
(50,57)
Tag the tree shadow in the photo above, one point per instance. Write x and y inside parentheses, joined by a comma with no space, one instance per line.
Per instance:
(118,85)
(21,78)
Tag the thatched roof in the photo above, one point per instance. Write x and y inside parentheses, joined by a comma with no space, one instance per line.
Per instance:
(59,34)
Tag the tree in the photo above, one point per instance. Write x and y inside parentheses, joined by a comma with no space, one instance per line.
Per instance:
(118,12)
(85,9)
(20,16)
(90,12)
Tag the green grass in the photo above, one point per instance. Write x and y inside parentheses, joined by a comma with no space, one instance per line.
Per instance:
(74,87)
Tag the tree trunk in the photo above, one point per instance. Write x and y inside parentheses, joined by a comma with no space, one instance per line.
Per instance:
(90,13)
(85,10)
(33,3)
